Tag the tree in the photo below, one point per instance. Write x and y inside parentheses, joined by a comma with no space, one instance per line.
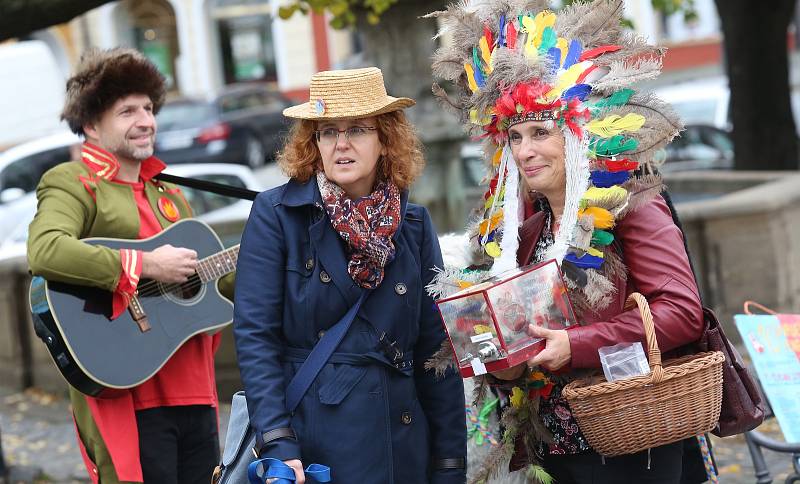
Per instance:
(21,17)
(757,64)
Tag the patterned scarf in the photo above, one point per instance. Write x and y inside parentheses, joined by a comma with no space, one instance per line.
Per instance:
(366,225)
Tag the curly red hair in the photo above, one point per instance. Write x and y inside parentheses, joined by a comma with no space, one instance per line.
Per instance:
(403,162)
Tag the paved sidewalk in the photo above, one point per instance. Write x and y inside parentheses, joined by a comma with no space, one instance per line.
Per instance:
(40,447)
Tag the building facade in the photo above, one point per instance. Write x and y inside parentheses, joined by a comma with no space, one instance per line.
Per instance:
(202,45)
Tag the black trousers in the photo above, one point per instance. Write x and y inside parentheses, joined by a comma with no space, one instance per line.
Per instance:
(665,467)
(178,445)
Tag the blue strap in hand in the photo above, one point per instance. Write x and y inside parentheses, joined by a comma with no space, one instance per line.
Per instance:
(282,473)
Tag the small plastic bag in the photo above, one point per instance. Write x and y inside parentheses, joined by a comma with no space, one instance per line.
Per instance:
(623,360)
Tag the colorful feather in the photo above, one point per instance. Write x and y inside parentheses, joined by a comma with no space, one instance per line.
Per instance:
(607,198)
(487,34)
(615,124)
(555,55)
(617,99)
(538,474)
(561,45)
(548,40)
(486,54)
(621,165)
(501,36)
(479,79)
(582,78)
(602,238)
(603,219)
(585,262)
(597,51)
(573,54)
(605,179)
(473,86)
(567,79)
(543,20)
(511,35)
(594,252)
(580,91)
(530,43)
(612,146)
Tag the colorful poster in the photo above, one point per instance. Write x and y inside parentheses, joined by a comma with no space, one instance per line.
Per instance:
(773,343)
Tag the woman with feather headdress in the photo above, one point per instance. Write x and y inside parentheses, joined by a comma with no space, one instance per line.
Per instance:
(572,154)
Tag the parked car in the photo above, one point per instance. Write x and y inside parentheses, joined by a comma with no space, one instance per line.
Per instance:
(699,147)
(225,215)
(700,101)
(21,167)
(243,124)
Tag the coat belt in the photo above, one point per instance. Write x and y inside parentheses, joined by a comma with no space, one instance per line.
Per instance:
(405,366)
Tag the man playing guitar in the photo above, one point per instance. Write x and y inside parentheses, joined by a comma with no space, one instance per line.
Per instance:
(165,429)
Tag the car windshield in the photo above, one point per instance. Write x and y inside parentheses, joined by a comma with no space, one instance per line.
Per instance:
(696,111)
(184,114)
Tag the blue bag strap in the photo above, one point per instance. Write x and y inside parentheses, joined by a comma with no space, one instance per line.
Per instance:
(319,356)
(268,468)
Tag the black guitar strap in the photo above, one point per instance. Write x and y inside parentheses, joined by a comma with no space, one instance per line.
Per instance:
(209,186)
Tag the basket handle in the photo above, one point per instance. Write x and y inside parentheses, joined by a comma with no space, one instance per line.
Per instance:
(747,310)
(653,352)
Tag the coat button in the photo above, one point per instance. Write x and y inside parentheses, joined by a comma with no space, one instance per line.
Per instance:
(321,333)
(406,418)
(400,288)
(324,277)
(309,264)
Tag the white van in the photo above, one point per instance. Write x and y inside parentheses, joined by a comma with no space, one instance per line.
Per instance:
(31,92)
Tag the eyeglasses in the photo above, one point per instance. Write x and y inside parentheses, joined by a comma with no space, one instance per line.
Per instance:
(353,134)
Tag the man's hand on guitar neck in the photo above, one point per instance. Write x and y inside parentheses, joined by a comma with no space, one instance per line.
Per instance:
(169,264)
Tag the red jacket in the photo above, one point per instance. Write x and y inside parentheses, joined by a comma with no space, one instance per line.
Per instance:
(658,268)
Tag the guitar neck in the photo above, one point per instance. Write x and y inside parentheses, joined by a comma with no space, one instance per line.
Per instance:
(217,265)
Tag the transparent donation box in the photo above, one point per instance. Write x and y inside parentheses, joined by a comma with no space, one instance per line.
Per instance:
(487,323)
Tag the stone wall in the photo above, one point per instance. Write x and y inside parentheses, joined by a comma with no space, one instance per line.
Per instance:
(746,244)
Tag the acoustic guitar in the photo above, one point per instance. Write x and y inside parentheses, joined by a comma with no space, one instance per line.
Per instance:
(100,356)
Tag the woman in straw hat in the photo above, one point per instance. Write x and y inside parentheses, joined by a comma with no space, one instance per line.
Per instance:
(341,228)
(572,146)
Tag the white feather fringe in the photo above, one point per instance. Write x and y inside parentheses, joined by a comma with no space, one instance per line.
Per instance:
(510,241)
(577,172)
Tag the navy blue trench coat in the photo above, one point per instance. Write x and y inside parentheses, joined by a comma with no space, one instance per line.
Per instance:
(370,419)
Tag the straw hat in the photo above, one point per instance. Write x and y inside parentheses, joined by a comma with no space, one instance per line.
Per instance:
(347,94)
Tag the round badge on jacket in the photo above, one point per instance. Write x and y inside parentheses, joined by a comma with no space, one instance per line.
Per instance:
(168,209)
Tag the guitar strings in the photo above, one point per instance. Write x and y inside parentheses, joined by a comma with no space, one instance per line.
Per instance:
(155,288)
(151,288)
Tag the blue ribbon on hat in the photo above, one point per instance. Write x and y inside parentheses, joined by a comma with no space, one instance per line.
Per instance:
(282,473)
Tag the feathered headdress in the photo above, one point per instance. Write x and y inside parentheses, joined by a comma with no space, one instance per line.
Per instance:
(513,61)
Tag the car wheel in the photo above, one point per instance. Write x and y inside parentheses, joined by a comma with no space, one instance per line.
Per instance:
(254,152)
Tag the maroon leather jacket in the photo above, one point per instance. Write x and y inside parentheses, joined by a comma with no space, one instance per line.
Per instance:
(658,267)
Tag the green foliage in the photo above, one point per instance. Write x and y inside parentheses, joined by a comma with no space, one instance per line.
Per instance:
(669,7)
(343,11)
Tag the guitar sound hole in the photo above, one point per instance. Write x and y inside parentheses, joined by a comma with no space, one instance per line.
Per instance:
(187,292)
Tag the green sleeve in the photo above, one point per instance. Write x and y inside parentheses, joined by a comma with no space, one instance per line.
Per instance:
(64,214)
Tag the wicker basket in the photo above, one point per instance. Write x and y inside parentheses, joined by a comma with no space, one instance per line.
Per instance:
(678,399)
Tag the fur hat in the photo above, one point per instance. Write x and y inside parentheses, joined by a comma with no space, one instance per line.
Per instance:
(104,76)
